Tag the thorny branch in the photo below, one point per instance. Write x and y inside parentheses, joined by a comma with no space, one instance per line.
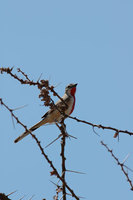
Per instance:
(12,114)
(42,151)
(63,142)
(25,75)
(119,163)
(102,126)
(54,169)
(44,94)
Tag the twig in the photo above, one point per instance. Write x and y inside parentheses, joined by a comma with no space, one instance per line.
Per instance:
(63,142)
(40,84)
(119,163)
(52,166)
(101,126)
(12,114)
(25,75)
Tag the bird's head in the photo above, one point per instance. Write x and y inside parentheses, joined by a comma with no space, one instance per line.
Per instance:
(71,89)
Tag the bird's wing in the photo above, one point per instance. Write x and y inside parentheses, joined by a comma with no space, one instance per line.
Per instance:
(60,105)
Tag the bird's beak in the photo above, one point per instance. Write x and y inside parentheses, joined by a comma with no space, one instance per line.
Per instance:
(75,85)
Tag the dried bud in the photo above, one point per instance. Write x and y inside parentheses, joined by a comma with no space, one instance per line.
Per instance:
(52,87)
(52,106)
(116,134)
(59,189)
(53,173)
(39,86)
(45,83)
(47,102)
(54,94)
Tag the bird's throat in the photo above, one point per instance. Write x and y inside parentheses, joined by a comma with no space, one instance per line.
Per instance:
(73,90)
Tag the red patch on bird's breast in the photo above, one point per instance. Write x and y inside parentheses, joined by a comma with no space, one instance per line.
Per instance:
(73,90)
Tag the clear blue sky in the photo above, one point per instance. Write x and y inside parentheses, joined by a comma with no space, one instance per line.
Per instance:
(87,42)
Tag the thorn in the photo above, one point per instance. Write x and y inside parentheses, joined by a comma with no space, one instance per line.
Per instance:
(53,141)
(13,121)
(57,84)
(39,77)
(11,193)
(95,131)
(126,158)
(22,197)
(71,136)
(75,172)
(20,107)
(128,168)
(55,184)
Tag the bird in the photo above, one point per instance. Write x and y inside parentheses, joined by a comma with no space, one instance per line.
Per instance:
(54,115)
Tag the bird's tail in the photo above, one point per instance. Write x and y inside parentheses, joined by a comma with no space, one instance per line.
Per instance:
(33,128)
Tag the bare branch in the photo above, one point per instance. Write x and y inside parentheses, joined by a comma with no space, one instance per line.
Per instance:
(119,163)
(101,126)
(63,142)
(25,75)
(40,84)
